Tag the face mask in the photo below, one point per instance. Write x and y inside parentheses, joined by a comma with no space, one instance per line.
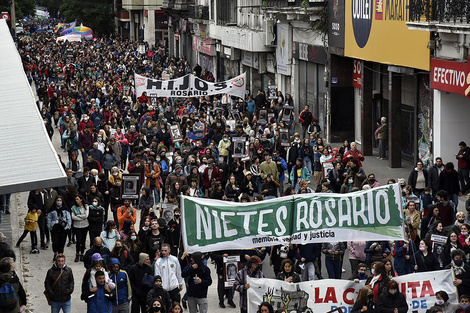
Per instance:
(133,238)
(372,180)
(177,215)
(95,148)
(465,233)
(100,139)
(392,292)
(464,307)
(95,204)
(118,248)
(85,118)
(59,203)
(440,302)
(461,221)
(350,181)
(361,275)
(372,271)
(225,139)
(158,159)
(422,248)
(107,149)
(458,262)
(156,309)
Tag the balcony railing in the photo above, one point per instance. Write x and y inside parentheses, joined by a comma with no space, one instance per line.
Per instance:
(292,3)
(450,11)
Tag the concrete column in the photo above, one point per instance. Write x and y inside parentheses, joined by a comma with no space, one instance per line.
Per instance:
(394,117)
(131,25)
(366,108)
(149,28)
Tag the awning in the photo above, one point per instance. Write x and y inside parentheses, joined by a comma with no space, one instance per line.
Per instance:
(27,158)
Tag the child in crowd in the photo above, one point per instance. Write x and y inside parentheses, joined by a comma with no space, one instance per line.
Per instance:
(98,265)
(30,226)
(426,199)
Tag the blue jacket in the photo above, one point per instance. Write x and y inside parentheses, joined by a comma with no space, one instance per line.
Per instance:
(251,106)
(123,290)
(283,168)
(101,301)
(403,266)
(316,163)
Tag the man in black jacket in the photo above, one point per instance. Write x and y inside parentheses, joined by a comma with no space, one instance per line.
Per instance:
(140,289)
(433,175)
(59,285)
(218,257)
(199,280)
(96,248)
(35,199)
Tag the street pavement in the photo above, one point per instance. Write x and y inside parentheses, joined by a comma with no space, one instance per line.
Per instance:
(32,268)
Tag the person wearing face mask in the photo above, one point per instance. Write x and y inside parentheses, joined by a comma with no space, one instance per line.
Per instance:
(156,306)
(461,271)
(424,259)
(58,222)
(157,293)
(174,226)
(459,221)
(464,305)
(121,253)
(442,302)
(95,218)
(163,135)
(84,123)
(378,279)
(392,300)
(348,184)
(360,273)
(123,290)
(366,302)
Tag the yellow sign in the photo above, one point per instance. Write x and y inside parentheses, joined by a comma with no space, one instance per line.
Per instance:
(376,30)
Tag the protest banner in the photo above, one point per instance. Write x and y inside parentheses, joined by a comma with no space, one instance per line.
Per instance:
(329,294)
(189,86)
(373,214)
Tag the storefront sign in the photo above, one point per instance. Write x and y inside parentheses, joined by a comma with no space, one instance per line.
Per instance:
(336,23)
(376,30)
(190,86)
(211,225)
(357,73)
(329,294)
(309,53)
(451,76)
(250,59)
(203,45)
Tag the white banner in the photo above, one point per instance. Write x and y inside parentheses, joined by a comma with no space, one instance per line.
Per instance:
(284,49)
(328,294)
(189,86)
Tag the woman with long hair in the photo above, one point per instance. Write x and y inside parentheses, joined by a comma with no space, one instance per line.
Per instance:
(110,234)
(365,302)
(80,211)
(378,279)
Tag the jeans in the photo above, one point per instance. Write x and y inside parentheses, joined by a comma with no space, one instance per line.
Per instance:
(193,304)
(156,195)
(308,163)
(333,268)
(463,179)
(65,306)
(80,233)
(454,198)
(308,272)
(121,308)
(382,145)
(6,202)
(269,197)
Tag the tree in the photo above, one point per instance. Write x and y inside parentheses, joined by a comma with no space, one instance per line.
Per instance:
(22,8)
(97,15)
(52,6)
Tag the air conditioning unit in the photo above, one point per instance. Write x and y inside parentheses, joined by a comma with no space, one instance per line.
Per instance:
(270,29)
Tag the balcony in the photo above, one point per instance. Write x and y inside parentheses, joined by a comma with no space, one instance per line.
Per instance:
(440,11)
(441,16)
(198,13)
(177,5)
(292,3)
(295,9)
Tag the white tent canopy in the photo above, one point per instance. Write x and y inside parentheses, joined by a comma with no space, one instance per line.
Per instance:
(28,160)
(69,38)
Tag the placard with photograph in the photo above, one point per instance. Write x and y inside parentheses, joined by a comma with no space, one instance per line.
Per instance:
(239,147)
(326,168)
(168,211)
(287,113)
(262,116)
(231,123)
(236,115)
(271,118)
(438,242)
(272,92)
(417,202)
(130,187)
(231,268)
(284,137)
(175,133)
(153,99)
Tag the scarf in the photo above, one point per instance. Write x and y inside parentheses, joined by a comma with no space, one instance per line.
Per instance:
(374,280)
(458,269)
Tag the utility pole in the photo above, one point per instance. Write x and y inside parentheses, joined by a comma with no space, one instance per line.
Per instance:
(13,16)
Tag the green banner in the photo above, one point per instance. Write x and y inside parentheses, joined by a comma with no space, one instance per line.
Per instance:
(374,214)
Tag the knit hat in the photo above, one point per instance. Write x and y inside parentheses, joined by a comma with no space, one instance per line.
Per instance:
(96,257)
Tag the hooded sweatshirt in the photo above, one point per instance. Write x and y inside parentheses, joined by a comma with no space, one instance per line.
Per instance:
(197,290)
(136,274)
(123,290)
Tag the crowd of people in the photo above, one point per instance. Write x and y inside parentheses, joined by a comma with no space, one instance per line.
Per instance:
(135,259)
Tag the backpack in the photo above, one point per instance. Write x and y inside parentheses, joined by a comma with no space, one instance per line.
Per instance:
(68,145)
(8,298)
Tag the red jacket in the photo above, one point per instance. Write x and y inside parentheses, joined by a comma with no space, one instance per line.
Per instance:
(355,155)
(216,174)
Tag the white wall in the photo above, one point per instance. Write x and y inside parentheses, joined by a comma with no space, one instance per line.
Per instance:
(451,124)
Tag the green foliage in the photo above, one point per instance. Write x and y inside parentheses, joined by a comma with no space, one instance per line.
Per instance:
(97,15)
(52,6)
(22,8)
